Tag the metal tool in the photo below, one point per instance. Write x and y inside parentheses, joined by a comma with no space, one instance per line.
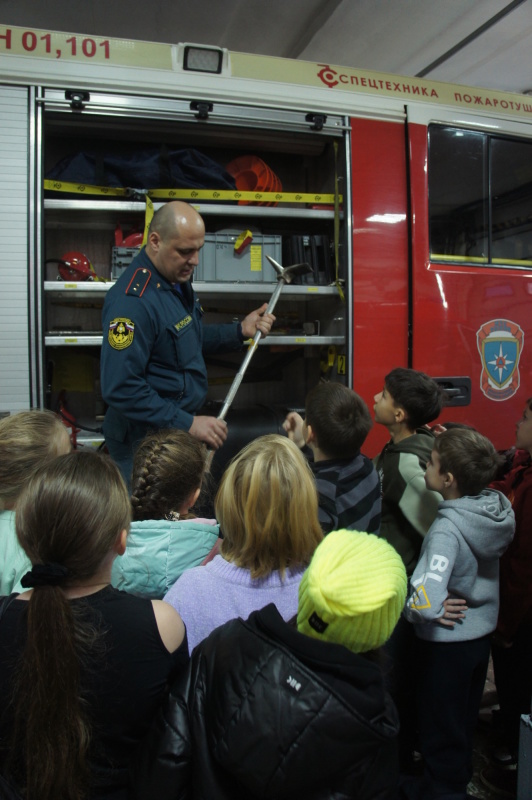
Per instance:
(284,275)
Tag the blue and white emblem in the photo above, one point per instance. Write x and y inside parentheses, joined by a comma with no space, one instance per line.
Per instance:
(500,344)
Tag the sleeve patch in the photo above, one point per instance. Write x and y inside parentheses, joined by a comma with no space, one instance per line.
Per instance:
(121,332)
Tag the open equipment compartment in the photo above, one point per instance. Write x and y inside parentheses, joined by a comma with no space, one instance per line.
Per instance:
(311,330)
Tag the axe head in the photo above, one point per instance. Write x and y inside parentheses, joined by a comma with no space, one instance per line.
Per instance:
(287,274)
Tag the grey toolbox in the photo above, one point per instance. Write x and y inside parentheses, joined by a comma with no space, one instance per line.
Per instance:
(220,262)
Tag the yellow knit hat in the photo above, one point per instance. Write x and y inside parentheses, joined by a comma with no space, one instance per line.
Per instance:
(353,591)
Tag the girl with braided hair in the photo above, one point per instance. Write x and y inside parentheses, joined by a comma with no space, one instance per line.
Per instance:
(165,538)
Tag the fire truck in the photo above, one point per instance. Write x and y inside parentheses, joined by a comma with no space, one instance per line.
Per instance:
(410,199)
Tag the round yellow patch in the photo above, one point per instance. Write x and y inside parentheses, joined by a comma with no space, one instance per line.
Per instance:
(121,332)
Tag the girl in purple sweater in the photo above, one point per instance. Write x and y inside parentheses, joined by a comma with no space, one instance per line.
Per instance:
(267,508)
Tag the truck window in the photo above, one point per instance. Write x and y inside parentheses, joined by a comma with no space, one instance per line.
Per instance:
(480,197)
(511,202)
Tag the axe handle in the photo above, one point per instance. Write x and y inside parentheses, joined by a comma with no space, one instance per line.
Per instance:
(249,355)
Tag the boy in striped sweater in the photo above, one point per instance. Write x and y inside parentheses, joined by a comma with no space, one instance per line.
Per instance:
(337,422)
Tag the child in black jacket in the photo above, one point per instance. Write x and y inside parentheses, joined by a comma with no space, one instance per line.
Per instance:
(268,710)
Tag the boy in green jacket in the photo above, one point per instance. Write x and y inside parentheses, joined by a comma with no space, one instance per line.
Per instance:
(409,400)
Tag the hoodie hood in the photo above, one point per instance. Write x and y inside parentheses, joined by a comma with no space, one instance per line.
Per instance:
(486,522)
(158,551)
(420,443)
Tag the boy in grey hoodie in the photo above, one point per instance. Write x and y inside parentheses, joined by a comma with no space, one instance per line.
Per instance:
(459,562)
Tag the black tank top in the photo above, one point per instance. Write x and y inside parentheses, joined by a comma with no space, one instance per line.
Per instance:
(124,679)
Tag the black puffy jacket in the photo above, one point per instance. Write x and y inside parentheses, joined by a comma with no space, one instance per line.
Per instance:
(266,712)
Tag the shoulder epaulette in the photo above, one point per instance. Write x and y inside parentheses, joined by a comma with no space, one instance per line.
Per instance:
(138,282)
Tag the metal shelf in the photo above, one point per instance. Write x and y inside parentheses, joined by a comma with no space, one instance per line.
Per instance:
(202,288)
(72,339)
(86,439)
(205,209)
(308,291)
(307,341)
(89,438)
(82,287)
(79,340)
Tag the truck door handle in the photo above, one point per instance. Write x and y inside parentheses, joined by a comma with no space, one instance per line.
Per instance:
(457,389)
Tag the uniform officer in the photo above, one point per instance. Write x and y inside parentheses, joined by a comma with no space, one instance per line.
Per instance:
(153,374)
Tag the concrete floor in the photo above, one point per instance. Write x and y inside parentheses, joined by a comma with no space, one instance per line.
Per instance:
(486,740)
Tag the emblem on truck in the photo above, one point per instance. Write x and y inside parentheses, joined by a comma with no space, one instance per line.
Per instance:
(500,344)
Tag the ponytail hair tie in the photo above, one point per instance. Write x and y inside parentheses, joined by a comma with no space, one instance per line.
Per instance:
(44,575)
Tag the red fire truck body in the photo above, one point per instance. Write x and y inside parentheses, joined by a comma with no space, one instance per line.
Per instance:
(410,309)
(428,211)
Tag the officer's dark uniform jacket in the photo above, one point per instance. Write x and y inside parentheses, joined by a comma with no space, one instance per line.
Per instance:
(153,374)
(266,712)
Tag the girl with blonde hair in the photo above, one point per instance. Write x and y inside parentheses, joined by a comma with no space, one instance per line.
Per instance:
(165,537)
(83,667)
(267,507)
(28,440)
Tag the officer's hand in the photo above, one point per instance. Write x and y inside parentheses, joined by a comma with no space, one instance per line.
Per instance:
(293,425)
(257,321)
(210,430)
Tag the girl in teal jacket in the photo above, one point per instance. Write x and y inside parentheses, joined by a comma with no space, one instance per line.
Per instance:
(165,539)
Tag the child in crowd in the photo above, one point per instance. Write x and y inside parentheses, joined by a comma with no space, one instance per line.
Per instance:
(267,507)
(28,440)
(409,400)
(165,538)
(336,424)
(459,558)
(512,642)
(83,667)
(269,709)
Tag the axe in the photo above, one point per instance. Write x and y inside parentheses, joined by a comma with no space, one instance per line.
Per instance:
(284,275)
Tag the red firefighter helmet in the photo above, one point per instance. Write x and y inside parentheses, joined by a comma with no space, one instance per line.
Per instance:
(75,266)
